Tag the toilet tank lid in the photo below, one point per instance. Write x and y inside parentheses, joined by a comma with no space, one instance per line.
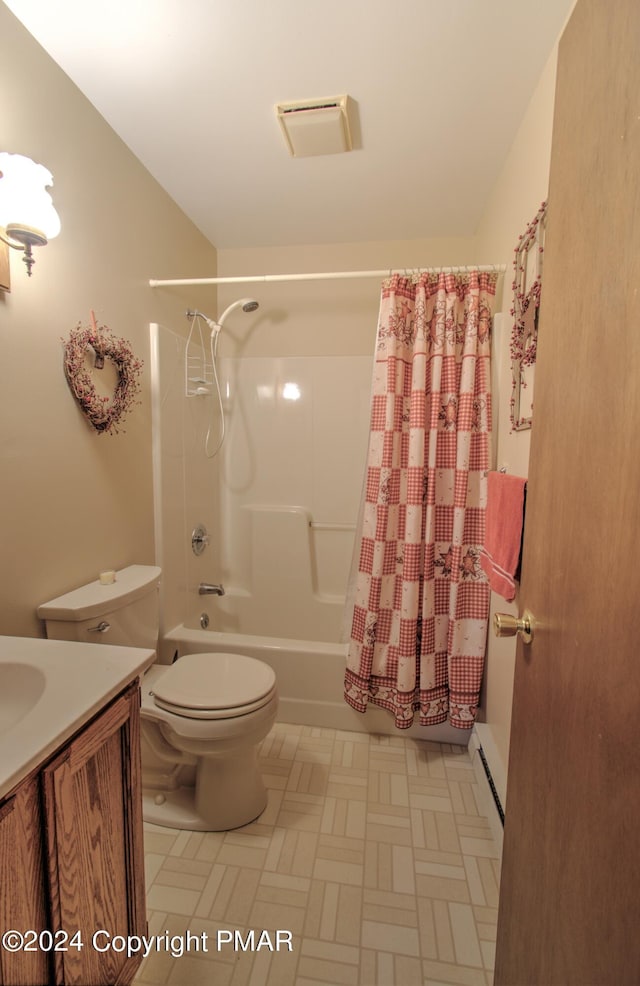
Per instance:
(95,599)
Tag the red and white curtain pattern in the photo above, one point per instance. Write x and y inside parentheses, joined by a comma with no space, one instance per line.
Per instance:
(421,597)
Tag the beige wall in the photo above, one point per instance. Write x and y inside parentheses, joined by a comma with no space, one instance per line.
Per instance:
(72,502)
(518,193)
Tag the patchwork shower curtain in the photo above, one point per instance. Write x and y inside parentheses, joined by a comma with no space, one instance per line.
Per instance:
(421,606)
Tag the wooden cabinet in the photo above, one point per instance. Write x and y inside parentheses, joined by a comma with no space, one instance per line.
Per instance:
(22,897)
(71,851)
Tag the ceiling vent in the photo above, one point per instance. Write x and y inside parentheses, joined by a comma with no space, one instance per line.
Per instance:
(316,126)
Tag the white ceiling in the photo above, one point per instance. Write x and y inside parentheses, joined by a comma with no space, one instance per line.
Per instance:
(440,87)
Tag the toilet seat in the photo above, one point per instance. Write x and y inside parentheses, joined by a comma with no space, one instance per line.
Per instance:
(237,684)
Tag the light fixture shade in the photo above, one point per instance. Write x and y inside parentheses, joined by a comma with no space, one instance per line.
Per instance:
(316,126)
(24,200)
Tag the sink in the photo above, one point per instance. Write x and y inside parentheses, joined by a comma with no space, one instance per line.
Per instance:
(49,689)
(21,686)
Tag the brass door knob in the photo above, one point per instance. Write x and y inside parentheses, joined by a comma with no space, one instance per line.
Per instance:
(505,625)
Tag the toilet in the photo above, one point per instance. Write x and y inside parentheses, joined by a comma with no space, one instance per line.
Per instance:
(202,717)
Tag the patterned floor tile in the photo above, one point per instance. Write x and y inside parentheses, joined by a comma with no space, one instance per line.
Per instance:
(372,865)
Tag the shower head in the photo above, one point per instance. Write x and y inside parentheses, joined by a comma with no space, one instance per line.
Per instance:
(247,305)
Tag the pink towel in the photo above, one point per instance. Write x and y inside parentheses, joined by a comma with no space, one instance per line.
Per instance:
(503,532)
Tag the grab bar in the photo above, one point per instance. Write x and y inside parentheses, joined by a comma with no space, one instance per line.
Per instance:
(316,526)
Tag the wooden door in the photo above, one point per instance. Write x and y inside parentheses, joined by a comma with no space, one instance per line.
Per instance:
(93,814)
(570,893)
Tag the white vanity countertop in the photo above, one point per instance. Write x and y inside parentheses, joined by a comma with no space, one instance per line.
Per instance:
(49,689)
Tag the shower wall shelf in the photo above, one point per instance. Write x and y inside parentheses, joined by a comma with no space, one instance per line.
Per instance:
(198,370)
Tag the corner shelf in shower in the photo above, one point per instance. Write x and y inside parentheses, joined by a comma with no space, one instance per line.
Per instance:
(198,371)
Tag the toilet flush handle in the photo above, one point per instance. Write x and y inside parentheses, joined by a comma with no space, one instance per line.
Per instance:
(102,627)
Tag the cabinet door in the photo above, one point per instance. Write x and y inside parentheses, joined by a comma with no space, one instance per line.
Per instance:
(22,893)
(93,819)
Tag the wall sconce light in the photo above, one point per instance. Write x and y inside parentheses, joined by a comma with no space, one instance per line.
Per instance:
(27,215)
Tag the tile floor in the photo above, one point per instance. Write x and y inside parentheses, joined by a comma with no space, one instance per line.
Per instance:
(372,859)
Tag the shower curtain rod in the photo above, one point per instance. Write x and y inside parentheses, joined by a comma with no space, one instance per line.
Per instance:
(328,276)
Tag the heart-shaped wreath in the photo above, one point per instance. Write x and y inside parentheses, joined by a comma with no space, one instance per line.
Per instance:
(103,413)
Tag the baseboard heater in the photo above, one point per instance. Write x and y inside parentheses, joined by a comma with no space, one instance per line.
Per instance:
(492,786)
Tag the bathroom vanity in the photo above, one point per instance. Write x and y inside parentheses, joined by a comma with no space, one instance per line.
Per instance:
(71,851)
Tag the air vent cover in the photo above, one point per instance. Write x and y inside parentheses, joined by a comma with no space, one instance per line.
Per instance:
(316,126)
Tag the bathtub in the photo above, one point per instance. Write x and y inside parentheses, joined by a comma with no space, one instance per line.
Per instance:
(310,681)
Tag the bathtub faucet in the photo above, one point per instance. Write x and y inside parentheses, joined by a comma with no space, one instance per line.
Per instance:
(210,589)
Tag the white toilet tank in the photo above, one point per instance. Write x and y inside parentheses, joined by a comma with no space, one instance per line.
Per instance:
(124,612)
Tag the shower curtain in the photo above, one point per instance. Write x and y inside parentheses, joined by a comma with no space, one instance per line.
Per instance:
(421,598)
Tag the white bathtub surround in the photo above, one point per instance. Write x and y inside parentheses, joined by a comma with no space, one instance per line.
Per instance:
(310,677)
(289,482)
(280,500)
(287,575)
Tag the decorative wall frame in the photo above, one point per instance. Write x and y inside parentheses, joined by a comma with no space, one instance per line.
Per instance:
(527,289)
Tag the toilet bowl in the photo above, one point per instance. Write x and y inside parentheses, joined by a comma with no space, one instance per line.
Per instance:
(202,720)
(202,717)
